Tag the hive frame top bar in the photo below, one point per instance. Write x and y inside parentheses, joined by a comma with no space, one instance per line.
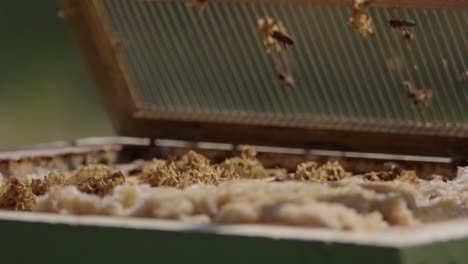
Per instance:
(427,4)
(103,51)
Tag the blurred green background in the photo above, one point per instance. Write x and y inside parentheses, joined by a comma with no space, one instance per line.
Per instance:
(46,93)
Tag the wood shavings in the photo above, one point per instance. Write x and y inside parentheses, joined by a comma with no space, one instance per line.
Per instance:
(418,97)
(309,171)
(81,175)
(164,175)
(191,189)
(190,169)
(192,161)
(170,176)
(101,186)
(41,186)
(200,5)
(274,34)
(360,19)
(150,165)
(97,179)
(16,194)
(246,165)
(248,152)
(408,176)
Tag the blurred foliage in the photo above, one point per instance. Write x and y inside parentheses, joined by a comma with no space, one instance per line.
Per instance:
(45,90)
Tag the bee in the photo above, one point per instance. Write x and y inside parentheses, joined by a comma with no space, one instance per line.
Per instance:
(286,79)
(282,38)
(404,27)
(393,168)
(418,97)
(401,23)
(274,34)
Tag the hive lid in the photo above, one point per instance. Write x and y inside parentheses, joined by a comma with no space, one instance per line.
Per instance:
(166,70)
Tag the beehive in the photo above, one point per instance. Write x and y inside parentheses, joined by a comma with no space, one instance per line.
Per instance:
(325,80)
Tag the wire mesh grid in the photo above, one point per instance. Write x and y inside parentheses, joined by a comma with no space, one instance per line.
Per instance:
(212,65)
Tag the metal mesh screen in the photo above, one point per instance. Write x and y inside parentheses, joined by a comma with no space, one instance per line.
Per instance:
(212,66)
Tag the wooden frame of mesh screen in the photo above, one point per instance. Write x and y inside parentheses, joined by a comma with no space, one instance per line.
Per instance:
(102,51)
